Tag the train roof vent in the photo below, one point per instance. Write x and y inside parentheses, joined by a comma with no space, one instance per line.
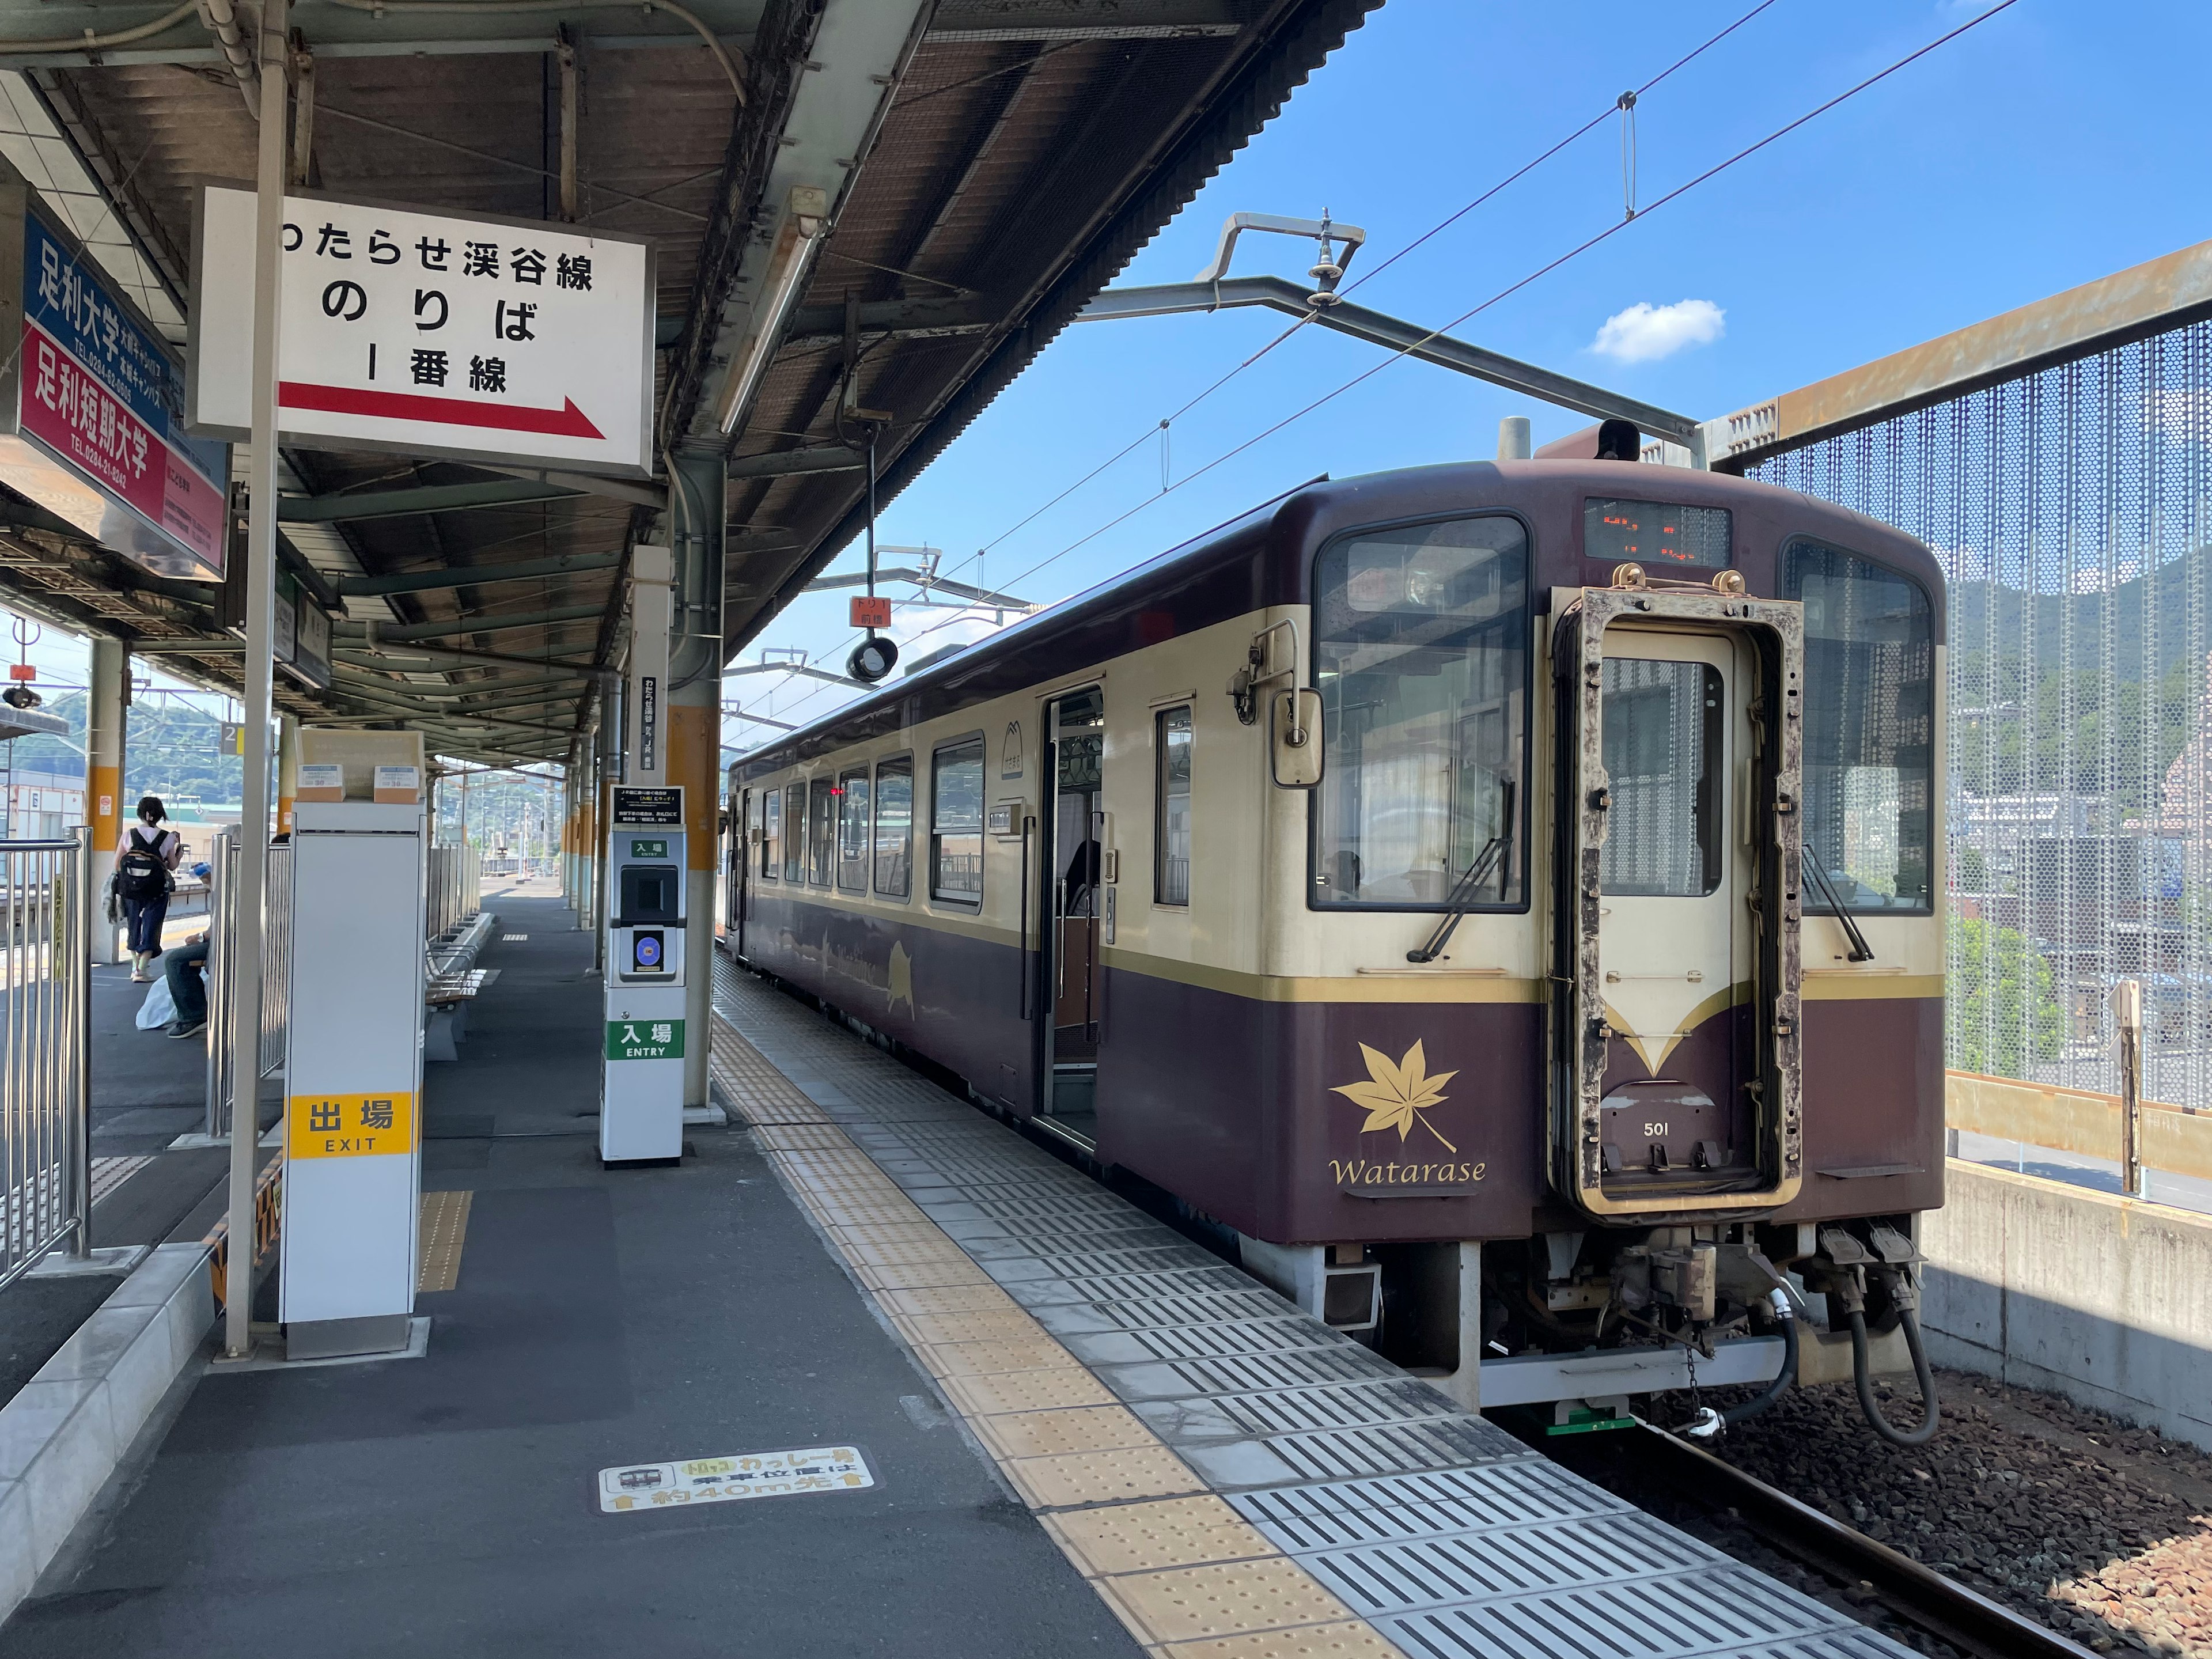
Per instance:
(930,658)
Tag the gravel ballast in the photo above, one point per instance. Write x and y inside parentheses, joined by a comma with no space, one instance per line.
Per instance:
(2099,1530)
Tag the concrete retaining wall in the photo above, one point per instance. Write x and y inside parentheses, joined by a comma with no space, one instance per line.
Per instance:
(2105,1299)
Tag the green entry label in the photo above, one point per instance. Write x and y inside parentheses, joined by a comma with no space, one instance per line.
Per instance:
(645,1039)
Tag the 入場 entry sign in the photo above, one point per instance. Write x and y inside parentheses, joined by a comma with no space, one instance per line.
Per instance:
(485,339)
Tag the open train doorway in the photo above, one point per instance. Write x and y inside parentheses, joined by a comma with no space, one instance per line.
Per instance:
(1069,901)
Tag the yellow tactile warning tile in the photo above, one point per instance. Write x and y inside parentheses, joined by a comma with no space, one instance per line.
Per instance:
(1176,1532)
(1000,1321)
(1179,1568)
(1101,1477)
(1027,1391)
(442,1227)
(802,1137)
(991,1355)
(985,1297)
(1345,1638)
(1055,1433)
(1232,1598)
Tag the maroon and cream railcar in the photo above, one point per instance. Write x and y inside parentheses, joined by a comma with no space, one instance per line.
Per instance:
(1502,895)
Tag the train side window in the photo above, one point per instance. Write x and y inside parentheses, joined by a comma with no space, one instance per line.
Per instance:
(795,838)
(894,827)
(1171,819)
(771,853)
(956,823)
(1870,727)
(853,830)
(820,831)
(1421,658)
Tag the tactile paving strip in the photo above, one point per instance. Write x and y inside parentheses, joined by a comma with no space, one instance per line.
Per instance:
(1369,1491)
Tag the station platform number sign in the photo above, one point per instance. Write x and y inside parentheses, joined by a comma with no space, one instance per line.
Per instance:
(645,1039)
(870,612)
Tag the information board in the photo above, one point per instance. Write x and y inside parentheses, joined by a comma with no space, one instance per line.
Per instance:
(418,332)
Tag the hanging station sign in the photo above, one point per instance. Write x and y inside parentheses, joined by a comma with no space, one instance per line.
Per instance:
(92,404)
(498,340)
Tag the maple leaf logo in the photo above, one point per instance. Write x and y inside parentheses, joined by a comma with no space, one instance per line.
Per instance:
(1396,1096)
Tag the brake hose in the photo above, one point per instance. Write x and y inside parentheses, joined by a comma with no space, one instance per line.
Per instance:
(1710,1423)
(1782,1378)
(1862,1379)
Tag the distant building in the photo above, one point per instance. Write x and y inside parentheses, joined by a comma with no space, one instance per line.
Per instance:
(42,806)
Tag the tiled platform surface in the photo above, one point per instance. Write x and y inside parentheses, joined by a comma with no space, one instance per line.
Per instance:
(1234,1476)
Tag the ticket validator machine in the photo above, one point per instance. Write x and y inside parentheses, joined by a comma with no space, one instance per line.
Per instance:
(641,1094)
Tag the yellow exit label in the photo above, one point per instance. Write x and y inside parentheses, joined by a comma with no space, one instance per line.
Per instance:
(349,1126)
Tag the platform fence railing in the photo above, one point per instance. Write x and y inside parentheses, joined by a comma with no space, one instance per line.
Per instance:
(46,1059)
(275,968)
(453,889)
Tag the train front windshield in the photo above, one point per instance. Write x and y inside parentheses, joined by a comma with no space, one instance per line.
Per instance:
(1421,657)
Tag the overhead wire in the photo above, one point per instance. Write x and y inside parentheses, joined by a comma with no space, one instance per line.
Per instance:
(1541,271)
(1371,271)
(1544,270)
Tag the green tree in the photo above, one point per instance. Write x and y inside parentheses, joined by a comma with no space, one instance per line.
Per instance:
(2002,1007)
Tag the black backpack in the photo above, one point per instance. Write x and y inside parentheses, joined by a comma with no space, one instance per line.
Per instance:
(142,875)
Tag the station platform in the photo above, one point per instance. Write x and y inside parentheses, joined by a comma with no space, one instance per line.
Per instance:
(1085,1433)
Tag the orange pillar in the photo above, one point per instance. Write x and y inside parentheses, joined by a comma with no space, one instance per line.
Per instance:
(105,810)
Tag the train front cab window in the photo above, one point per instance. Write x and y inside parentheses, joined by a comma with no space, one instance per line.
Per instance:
(1070,899)
(1869,730)
(1421,657)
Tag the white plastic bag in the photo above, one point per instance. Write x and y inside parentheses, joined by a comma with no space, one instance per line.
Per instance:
(159,1008)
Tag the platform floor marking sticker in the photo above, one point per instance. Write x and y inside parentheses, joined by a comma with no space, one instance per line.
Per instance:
(513,939)
(635,1487)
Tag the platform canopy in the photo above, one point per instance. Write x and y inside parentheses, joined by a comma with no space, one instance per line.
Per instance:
(980,168)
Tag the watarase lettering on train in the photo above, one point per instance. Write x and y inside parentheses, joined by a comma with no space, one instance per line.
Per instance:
(1359,1172)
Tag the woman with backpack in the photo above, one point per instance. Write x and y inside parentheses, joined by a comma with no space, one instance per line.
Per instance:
(144,860)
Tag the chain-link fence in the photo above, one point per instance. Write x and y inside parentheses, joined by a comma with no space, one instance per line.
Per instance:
(46,991)
(2069,508)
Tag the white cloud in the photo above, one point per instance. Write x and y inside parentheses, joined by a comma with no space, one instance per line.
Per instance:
(1644,333)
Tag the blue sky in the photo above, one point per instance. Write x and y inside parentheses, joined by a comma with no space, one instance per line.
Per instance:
(2054,144)
(2051,145)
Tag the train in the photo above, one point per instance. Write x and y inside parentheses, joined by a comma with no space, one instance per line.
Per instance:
(1497,901)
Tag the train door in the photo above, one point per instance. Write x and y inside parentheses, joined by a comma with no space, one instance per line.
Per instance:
(1677,986)
(1069,901)
(743,852)
(1667,932)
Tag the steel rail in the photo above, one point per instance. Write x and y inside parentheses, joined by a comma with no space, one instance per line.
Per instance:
(1943,1607)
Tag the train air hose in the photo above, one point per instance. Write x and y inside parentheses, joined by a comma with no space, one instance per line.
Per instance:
(1782,1378)
(1709,1422)
(1862,1378)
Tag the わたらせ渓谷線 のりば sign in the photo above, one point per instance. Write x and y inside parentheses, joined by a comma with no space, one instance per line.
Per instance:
(92,402)
(486,339)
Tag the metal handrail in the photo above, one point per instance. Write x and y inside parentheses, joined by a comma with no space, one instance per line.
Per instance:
(46,1060)
(275,970)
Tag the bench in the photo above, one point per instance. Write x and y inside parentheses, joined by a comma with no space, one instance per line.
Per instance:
(451,982)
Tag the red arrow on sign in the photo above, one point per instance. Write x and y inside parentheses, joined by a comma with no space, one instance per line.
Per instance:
(566,421)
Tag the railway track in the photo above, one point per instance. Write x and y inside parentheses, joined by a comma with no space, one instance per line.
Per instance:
(1949,1611)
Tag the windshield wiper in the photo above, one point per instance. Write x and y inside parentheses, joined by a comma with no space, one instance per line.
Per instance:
(1861,951)
(1460,899)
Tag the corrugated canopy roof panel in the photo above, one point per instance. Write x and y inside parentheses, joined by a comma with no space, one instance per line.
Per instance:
(1001,167)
